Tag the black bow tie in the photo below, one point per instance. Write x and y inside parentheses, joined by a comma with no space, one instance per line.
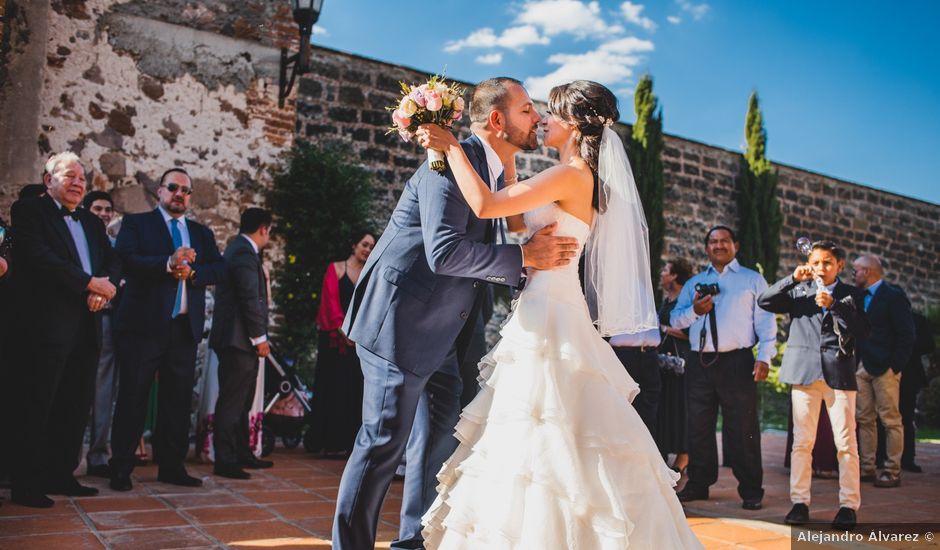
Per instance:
(71,213)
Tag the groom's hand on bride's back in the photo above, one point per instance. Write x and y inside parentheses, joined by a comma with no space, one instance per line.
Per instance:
(546,251)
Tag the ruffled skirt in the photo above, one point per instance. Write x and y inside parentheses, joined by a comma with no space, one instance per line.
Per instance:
(552,454)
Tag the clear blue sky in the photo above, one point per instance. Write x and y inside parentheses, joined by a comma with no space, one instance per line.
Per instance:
(850,89)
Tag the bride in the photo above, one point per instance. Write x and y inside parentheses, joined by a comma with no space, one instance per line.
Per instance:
(552,455)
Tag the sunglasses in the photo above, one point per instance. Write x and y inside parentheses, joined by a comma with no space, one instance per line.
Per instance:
(174,187)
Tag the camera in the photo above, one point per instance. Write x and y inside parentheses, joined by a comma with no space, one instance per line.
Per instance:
(707,289)
(671,363)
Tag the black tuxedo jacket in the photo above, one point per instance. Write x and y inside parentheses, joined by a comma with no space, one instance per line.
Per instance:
(49,281)
(144,246)
(820,344)
(241,299)
(892,331)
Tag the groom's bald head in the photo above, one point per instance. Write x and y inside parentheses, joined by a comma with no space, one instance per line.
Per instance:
(489,95)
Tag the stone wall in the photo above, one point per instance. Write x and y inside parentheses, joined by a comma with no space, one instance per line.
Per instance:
(345,95)
(134,87)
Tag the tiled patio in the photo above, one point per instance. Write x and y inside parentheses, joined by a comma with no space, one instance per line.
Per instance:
(291,506)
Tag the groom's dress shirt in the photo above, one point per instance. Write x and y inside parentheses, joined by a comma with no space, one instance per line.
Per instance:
(741,324)
(496,169)
(184,231)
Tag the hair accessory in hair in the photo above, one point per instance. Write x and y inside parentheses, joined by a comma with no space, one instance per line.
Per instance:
(605,121)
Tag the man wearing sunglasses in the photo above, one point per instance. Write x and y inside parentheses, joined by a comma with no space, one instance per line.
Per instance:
(168,261)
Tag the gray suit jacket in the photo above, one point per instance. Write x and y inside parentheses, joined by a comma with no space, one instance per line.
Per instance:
(241,299)
(421,281)
(820,344)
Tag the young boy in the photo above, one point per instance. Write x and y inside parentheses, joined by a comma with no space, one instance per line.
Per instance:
(827,318)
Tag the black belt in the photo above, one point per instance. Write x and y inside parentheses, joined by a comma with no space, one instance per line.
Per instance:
(640,349)
(739,350)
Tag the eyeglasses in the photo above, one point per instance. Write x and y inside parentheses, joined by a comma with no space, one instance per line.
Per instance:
(174,187)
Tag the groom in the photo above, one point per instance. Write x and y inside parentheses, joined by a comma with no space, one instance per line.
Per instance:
(422,282)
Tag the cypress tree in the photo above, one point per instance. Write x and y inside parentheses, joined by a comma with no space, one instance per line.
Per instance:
(320,195)
(758,207)
(646,158)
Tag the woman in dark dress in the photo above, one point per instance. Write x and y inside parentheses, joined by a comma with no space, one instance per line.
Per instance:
(671,430)
(337,384)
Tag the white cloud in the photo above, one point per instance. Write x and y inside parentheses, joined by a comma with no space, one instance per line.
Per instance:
(697,11)
(611,63)
(320,31)
(674,19)
(554,17)
(490,59)
(513,38)
(631,12)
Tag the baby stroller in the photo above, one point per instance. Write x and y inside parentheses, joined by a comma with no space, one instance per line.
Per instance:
(287,408)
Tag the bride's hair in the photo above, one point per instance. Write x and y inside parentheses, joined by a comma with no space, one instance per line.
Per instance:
(590,107)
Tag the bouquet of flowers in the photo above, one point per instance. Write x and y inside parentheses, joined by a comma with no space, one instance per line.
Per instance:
(435,102)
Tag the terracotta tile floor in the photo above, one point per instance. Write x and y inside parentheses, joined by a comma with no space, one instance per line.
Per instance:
(291,506)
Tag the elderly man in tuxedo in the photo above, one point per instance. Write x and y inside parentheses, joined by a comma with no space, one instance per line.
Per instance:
(240,337)
(168,263)
(65,274)
(882,357)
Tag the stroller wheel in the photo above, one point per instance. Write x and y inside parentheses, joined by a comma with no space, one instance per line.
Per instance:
(267,442)
(291,441)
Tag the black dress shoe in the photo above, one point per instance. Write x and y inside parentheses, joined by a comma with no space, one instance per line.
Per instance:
(33,499)
(99,470)
(231,471)
(752,504)
(798,515)
(121,482)
(911,467)
(844,520)
(689,494)
(254,463)
(71,488)
(180,478)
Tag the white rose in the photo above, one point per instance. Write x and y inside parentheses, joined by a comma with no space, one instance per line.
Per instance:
(408,107)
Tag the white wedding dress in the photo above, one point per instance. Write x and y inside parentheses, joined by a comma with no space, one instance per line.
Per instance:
(552,454)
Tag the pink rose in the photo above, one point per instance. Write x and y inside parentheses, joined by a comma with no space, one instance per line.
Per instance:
(433,101)
(400,119)
(457,115)
(418,97)
(459,104)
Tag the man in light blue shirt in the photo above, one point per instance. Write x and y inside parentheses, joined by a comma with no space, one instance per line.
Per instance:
(724,328)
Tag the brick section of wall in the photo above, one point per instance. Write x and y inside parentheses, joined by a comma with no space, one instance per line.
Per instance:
(3,15)
(344,97)
(3,38)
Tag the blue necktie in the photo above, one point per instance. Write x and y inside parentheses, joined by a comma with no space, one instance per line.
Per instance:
(177,243)
(868,297)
